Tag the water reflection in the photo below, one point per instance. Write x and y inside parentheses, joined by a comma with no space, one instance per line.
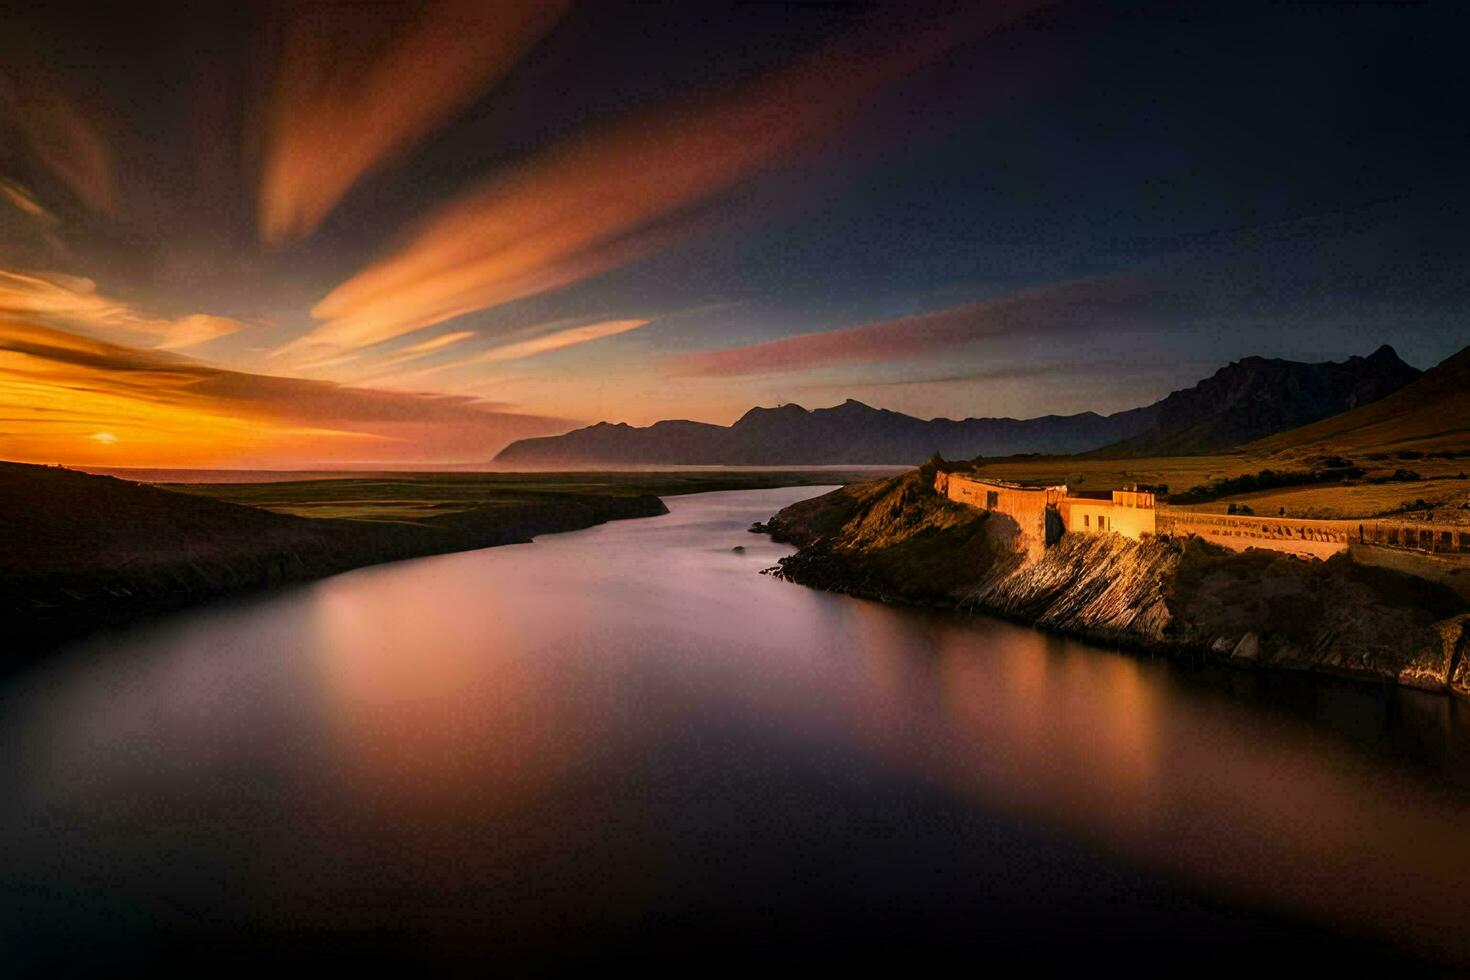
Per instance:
(625,738)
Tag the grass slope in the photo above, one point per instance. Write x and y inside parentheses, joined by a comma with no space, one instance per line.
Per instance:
(1431,414)
(81,551)
(417,497)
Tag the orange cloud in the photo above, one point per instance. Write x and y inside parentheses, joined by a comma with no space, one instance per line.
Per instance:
(387,368)
(560,339)
(73,301)
(351,93)
(25,201)
(72,399)
(1067,305)
(62,138)
(557,336)
(611,195)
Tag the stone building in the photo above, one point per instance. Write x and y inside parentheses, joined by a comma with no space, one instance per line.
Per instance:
(1043,514)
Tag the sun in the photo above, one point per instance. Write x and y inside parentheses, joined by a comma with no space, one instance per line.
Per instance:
(106,438)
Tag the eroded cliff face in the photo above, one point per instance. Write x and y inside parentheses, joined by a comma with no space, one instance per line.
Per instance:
(899,541)
(1104,588)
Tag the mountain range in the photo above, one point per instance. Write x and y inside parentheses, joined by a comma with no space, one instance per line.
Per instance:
(1430,414)
(1247,400)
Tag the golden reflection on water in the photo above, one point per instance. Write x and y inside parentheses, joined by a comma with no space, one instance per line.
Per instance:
(418,731)
(430,717)
(1081,739)
(474,720)
(1059,731)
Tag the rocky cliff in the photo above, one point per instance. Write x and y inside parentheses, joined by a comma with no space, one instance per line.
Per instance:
(899,541)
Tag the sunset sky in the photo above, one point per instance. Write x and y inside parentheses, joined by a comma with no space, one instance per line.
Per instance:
(293,235)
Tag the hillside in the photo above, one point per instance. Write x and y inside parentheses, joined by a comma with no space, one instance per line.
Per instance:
(1431,414)
(1256,397)
(850,433)
(1243,401)
(81,551)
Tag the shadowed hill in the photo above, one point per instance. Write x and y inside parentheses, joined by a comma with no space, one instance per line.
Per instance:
(1255,397)
(81,551)
(1246,400)
(1432,414)
(850,433)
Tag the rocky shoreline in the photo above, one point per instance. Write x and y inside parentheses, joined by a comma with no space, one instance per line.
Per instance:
(897,541)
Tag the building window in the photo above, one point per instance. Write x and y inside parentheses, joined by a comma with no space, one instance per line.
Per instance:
(1086,520)
(992,498)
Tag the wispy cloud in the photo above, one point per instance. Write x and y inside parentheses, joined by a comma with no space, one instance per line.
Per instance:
(611,195)
(59,390)
(25,202)
(1068,305)
(74,302)
(559,340)
(354,90)
(388,368)
(62,137)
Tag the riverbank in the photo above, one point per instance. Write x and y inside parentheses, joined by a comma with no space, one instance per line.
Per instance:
(897,540)
(84,552)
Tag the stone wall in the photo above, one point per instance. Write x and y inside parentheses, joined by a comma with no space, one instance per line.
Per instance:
(1132,514)
(1416,536)
(1316,538)
(1297,536)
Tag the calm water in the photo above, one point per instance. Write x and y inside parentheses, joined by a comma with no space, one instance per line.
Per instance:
(626,742)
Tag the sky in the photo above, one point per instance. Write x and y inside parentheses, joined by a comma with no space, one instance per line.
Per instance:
(295,235)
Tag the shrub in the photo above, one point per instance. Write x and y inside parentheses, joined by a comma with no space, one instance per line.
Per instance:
(1399,476)
(1267,479)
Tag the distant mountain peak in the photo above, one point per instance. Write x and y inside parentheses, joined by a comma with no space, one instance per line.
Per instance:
(1247,399)
(1255,397)
(790,409)
(1431,413)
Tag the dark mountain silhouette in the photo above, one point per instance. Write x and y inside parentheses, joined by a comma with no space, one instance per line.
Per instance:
(850,433)
(1430,414)
(1247,400)
(1256,397)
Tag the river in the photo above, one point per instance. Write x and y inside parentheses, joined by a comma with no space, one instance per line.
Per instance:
(626,742)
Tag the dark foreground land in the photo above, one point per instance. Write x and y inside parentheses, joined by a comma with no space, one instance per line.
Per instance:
(413,497)
(79,552)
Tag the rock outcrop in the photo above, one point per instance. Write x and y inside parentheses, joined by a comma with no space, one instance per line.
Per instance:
(897,540)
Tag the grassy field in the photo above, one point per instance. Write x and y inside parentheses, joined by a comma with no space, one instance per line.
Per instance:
(1351,500)
(1441,485)
(411,497)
